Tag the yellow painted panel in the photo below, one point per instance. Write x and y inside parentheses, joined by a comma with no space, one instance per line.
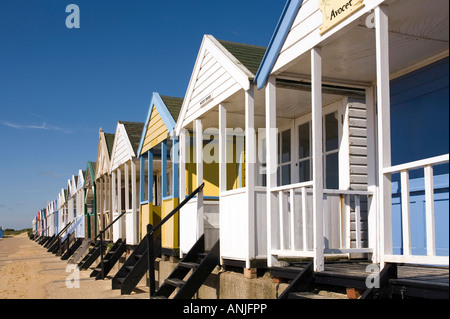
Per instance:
(235,172)
(170,229)
(156,131)
(147,218)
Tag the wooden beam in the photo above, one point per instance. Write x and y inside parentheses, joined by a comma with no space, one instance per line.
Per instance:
(316,94)
(222,148)
(384,129)
(250,166)
(429,211)
(199,158)
(271,165)
(406,223)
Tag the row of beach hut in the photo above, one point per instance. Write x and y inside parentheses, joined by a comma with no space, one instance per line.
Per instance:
(330,142)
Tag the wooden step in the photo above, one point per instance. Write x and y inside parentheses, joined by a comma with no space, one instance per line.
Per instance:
(175,282)
(188,265)
(159,297)
(309,295)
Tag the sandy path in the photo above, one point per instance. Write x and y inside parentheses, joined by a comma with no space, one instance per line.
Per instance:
(28,271)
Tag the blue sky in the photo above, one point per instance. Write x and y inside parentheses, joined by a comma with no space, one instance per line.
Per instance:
(58,86)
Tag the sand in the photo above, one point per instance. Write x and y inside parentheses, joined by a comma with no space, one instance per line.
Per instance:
(28,271)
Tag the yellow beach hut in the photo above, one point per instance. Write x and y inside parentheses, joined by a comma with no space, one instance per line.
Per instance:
(159,170)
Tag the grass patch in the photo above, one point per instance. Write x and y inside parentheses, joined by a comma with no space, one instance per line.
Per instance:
(13,232)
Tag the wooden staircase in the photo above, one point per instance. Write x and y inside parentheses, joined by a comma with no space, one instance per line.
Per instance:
(196,260)
(109,260)
(86,243)
(134,267)
(91,257)
(72,248)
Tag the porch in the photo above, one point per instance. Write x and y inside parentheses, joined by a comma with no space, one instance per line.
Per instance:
(364,52)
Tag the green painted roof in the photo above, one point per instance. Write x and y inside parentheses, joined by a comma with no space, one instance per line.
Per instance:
(173,105)
(249,55)
(90,174)
(134,132)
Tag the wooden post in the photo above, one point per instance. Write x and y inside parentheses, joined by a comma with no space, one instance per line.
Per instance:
(150,180)
(222,148)
(182,182)
(316,94)
(199,159)
(164,169)
(406,223)
(250,174)
(142,179)
(175,170)
(134,218)
(127,186)
(119,202)
(113,202)
(384,130)
(182,165)
(429,210)
(271,165)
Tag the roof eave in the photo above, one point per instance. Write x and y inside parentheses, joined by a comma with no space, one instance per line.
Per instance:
(276,42)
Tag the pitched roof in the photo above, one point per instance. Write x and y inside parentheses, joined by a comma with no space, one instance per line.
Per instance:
(90,174)
(168,107)
(109,138)
(173,104)
(134,132)
(249,55)
(276,42)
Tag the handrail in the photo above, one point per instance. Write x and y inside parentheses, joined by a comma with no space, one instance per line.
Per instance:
(65,228)
(107,227)
(151,230)
(60,236)
(101,243)
(442,159)
(176,209)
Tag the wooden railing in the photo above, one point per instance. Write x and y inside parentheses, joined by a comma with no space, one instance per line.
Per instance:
(100,236)
(404,169)
(294,233)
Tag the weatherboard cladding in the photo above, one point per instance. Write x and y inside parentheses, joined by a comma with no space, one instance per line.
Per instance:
(134,132)
(90,175)
(160,122)
(213,78)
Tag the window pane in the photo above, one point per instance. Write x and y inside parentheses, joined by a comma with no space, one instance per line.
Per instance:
(278,176)
(303,140)
(286,146)
(332,171)
(279,148)
(286,174)
(331,132)
(304,171)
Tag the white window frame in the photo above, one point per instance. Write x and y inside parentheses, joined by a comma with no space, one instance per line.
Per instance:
(339,107)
